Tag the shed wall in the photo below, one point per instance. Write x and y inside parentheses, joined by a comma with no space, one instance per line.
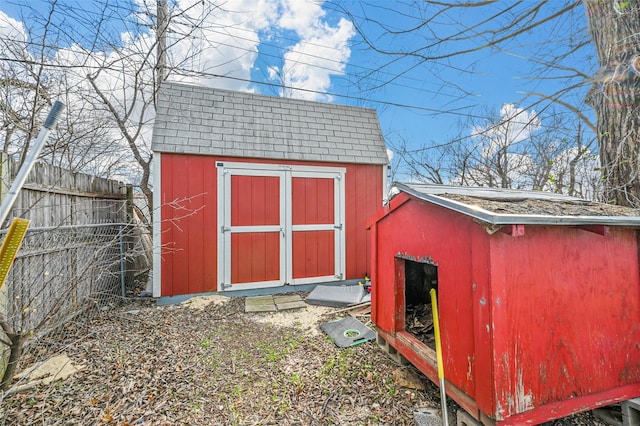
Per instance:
(189,218)
(420,230)
(566,314)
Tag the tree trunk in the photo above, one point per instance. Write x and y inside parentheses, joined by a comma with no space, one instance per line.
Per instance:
(615,96)
(16,344)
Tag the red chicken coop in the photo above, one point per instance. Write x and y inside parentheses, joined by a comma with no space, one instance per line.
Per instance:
(538,297)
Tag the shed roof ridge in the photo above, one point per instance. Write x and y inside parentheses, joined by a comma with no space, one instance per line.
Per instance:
(263,96)
(201,120)
(546,209)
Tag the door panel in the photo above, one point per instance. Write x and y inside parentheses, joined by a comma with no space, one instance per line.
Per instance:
(316,227)
(251,231)
(313,254)
(313,201)
(255,200)
(255,257)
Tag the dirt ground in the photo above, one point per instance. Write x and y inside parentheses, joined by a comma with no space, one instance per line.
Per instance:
(213,364)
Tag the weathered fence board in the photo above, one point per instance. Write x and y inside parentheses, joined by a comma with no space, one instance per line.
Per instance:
(52,196)
(71,257)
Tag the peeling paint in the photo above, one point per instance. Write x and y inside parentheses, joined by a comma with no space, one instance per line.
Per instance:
(524,402)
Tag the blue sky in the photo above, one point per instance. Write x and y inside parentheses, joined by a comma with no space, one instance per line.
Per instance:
(275,46)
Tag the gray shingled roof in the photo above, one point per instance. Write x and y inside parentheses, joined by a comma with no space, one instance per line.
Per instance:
(202,120)
(498,206)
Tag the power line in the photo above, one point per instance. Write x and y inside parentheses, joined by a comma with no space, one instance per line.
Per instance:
(338,63)
(340,95)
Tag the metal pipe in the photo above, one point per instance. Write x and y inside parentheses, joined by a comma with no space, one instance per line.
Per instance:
(31,158)
(436,331)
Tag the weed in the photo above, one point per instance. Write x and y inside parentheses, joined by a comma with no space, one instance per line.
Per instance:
(195,407)
(236,391)
(391,387)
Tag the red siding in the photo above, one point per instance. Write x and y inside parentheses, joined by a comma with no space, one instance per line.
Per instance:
(255,200)
(534,327)
(189,218)
(185,199)
(568,318)
(255,257)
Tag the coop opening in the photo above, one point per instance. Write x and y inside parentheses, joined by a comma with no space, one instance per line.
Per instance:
(419,279)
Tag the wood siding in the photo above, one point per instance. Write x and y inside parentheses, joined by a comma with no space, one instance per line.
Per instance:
(535,326)
(189,218)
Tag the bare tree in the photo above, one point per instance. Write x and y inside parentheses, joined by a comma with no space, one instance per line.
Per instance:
(511,148)
(436,35)
(107,60)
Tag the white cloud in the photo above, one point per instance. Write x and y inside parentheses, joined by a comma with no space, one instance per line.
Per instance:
(515,125)
(323,50)
(207,42)
(225,43)
(11,29)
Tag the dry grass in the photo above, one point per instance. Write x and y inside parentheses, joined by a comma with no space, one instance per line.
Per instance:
(216,365)
(178,365)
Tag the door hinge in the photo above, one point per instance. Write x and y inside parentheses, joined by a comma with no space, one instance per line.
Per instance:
(224,229)
(338,276)
(337,226)
(224,285)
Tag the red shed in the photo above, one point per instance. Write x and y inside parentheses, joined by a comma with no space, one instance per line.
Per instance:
(256,191)
(538,294)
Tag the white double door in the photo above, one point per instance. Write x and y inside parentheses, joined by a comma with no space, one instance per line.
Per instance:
(279,224)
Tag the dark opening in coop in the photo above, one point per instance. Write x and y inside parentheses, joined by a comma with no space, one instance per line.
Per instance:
(420,278)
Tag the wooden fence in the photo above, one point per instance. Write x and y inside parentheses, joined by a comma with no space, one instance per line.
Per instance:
(55,197)
(74,253)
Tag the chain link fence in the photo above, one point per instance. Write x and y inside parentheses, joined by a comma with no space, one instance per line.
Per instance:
(64,275)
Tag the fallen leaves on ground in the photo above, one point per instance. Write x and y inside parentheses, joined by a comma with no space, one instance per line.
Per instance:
(215,366)
(174,365)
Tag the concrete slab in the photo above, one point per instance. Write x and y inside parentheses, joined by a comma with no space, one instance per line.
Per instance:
(259,300)
(287,298)
(291,305)
(270,303)
(260,304)
(260,308)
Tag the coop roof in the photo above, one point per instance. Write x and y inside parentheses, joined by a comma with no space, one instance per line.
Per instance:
(499,206)
(202,120)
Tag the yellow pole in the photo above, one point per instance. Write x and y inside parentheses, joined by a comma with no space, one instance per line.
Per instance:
(436,331)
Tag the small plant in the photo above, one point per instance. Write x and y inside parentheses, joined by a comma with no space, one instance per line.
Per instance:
(236,391)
